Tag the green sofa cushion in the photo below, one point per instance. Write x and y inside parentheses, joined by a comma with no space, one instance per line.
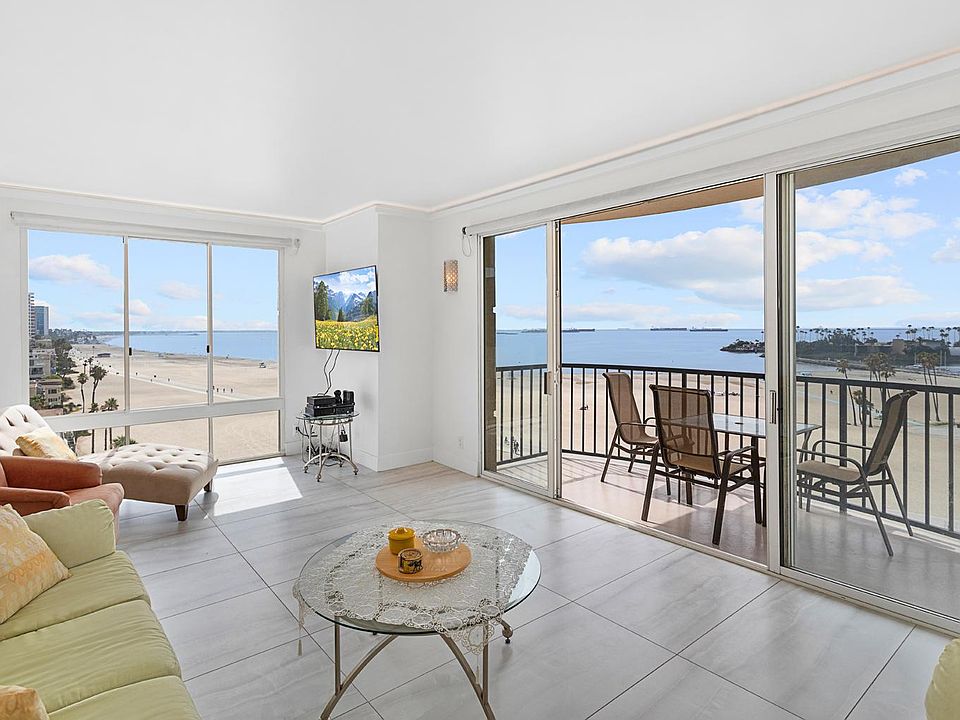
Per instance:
(83,657)
(164,698)
(92,586)
(77,534)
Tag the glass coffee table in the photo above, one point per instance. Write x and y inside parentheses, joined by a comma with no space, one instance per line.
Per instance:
(342,584)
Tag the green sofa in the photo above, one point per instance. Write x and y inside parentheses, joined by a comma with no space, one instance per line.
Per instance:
(91,646)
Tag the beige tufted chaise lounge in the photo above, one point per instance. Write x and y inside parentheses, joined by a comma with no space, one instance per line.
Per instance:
(154,473)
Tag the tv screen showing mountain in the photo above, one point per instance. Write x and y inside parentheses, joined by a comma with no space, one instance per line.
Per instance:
(345,310)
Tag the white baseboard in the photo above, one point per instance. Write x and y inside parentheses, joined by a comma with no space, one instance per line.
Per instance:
(376,462)
(403,459)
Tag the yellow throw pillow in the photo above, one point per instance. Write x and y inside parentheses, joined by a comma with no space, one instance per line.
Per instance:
(27,565)
(45,443)
(943,695)
(19,703)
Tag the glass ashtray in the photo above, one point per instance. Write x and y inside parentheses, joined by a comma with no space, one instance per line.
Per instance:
(441,541)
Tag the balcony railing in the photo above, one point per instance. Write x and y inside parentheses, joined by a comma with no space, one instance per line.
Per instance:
(924,458)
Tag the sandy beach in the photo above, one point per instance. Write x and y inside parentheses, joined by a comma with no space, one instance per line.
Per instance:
(165,380)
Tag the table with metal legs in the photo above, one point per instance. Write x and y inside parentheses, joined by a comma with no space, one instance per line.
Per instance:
(315,449)
(341,576)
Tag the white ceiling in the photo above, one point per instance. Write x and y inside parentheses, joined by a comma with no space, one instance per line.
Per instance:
(310,108)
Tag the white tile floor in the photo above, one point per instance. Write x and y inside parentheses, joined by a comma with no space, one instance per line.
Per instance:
(623,625)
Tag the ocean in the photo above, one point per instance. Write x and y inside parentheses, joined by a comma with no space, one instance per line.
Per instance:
(661,348)
(244,344)
(658,348)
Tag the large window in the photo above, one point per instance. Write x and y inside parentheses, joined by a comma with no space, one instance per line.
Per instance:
(141,328)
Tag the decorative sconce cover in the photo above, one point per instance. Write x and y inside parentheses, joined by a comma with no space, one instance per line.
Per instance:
(451,276)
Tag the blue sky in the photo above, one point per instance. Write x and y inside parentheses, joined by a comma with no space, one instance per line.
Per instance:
(359,281)
(881,250)
(80,277)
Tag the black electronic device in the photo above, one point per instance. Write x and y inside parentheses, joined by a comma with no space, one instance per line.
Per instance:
(340,403)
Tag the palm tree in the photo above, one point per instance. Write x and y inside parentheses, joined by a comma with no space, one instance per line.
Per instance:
(81,381)
(928,361)
(843,367)
(97,373)
(109,405)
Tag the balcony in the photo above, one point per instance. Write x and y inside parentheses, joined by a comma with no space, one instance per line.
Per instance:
(845,546)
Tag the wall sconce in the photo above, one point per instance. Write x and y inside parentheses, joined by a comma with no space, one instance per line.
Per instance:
(451,275)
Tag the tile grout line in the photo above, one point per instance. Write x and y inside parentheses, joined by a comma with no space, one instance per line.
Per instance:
(735,684)
(889,660)
(628,689)
(240,660)
(619,577)
(721,622)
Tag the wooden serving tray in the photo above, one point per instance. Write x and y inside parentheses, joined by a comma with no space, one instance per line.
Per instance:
(436,566)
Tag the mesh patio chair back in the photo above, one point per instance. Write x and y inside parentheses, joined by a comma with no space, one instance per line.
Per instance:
(685,429)
(625,411)
(894,414)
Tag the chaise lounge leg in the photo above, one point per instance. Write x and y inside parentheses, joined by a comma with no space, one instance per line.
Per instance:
(181,512)
(208,487)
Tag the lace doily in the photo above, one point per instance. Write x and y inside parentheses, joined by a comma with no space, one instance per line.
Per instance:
(346,583)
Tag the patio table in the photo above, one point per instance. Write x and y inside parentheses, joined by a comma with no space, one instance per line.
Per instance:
(756,429)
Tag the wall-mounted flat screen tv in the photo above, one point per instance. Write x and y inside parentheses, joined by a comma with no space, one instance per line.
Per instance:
(345,310)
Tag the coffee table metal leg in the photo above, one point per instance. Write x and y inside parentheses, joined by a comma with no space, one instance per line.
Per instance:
(341,686)
(480,689)
(507,630)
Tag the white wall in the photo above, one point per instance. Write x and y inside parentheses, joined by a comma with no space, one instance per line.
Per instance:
(350,243)
(393,387)
(408,281)
(910,106)
(298,267)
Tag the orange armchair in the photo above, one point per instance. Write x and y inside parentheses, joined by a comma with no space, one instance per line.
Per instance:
(34,484)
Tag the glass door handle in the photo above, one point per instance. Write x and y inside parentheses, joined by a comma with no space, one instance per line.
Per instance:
(774,408)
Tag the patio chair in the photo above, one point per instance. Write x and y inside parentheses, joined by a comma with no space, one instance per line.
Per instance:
(631,434)
(688,447)
(853,478)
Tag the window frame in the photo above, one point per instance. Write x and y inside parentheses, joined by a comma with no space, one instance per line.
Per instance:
(128,417)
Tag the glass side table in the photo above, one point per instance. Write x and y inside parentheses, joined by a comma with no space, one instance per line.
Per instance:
(341,584)
(321,440)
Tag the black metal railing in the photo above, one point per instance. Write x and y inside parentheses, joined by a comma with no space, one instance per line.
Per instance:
(847,410)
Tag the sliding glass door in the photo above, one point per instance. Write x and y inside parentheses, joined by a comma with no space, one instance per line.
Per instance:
(664,293)
(869,491)
(812,320)
(516,353)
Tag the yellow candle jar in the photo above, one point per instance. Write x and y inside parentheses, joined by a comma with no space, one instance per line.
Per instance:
(400,538)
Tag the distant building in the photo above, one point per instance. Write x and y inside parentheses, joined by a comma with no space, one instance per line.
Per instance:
(41,363)
(41,314)
(50,390)
(31,316)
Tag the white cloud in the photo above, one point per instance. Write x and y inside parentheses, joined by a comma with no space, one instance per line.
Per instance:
(72,269)
(96,320)
(935,319)
(854,292)
(523,312)
(949,253)
(722,265)
(909,176)
(621,314)
(139,307)
(356,282)
(176,322)
(245,325)
(176,290)
(641,316)
(860,213)
(679,261)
